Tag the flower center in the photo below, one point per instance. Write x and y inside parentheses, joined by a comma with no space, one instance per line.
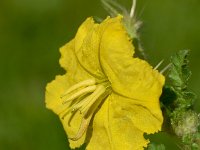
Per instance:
(85,97)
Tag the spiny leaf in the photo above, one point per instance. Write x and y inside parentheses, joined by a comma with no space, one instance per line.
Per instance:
(179,73)
(184,120)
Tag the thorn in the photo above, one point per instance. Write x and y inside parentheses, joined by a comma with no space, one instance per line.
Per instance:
(158,65)
(166,68)
(132,13)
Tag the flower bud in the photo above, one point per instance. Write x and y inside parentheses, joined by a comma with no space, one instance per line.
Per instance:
(186,123)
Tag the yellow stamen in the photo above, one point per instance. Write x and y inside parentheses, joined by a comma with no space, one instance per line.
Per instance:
(86,104)
(81,103)
(79,93)
(63,114)
(84,107)
(79,85)
(92,98)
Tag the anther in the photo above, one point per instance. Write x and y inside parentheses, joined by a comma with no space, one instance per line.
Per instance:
(79,85)
(79,93)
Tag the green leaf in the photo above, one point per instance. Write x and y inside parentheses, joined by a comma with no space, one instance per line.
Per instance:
(179,73)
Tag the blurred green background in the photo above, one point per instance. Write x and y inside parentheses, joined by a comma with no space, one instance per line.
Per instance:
(31,32)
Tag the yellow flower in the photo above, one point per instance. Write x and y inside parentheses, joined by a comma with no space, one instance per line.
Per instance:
(107,98)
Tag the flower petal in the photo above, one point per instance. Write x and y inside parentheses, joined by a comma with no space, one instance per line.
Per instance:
(71,123)
(60,85)
(83,31)
(70,63)
(68,59)
(100,139)
(87,43)
(114,127)
(53,93)
(146,116)
(131,77)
